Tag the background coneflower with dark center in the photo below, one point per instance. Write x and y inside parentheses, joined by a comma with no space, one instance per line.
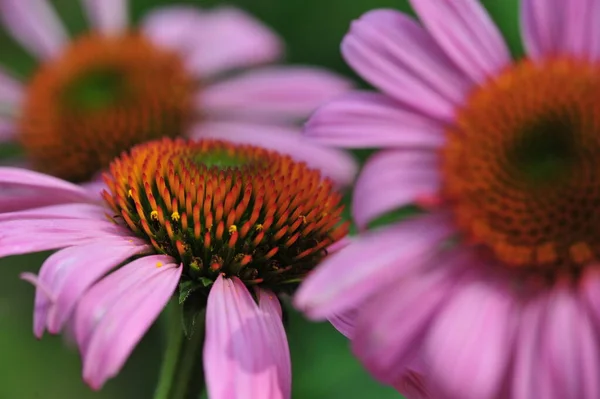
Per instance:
(98,94)
(224,227)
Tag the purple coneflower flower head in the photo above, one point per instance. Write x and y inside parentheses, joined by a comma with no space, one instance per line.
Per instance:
(227,226)
(97,94)
(494,286)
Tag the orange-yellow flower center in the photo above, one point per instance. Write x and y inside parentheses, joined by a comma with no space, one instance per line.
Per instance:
(103,95)
(223,208)
(522,165)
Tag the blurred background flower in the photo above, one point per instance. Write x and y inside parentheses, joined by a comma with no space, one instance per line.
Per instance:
(321,361)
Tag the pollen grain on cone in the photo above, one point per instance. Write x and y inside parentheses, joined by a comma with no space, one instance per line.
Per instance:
(240,210)
(521,168)
(101,96)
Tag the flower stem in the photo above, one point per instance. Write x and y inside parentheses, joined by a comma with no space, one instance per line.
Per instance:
(181,375)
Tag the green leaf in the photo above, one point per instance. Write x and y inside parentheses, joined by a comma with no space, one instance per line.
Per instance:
(186,288)
(205,281)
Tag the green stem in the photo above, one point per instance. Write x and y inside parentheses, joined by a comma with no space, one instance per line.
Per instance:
(181,375)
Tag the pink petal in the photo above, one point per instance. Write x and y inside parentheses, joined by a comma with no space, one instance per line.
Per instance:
(349,276)
(590,292)
(467,34)
(470,344)
(121,324)
(11,92)
(413,385)
(396,55)
(109,17)
(213,41)
(24,236)
(336,164)
(391,327)
(570,346)
(344,322)
(363,119)
(8,130)
(62,211)
(245,351)
(527,379)
(35,25)
(16,183)
(554,27)
(272,93)
(97,261)
(393,179)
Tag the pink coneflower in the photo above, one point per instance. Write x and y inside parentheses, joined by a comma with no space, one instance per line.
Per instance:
(116,85)
(494,287)
(227,226)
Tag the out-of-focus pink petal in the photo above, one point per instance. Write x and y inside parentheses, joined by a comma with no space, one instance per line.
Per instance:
(215,40)
(469,345)
(8,130)
(344,322)
(413,385)
(11,93)
(528,381)
(121,324)
(590,291)
(554,27)
(16,183)
(570,347)
(247,340)
(393,179)
(35,25)
(106,293)
(334,163)
(466,33)
(19,237)
(364,119)
(107,16)
(272,93)
(66,274)
(62,211)
(392,325)
(395,54)
(349,276)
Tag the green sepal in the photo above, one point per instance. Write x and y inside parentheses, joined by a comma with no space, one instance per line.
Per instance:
(192,312)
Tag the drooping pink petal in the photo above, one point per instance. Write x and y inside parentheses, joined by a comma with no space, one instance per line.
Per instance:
(110,17)
(590,292)
(469,345)
(121,324)
(393,179)
(334,163)
(344,322)
(395,54)
(392,325)
(35,25)
(24,236)
(527,379)
(11,93)
(62,211)
(215,40)
(16,183)
(466,33)
(364,119)
(247,340)
(106,293)
(349,276)
(570,346)
(66,274)
(272,93)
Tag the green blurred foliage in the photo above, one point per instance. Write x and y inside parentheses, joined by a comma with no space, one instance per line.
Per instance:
(322,363)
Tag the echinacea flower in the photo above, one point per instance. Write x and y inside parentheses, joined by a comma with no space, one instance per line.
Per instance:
(97,94)
(494,286)
(227,226)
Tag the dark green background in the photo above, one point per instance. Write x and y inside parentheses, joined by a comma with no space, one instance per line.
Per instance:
(322,363)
